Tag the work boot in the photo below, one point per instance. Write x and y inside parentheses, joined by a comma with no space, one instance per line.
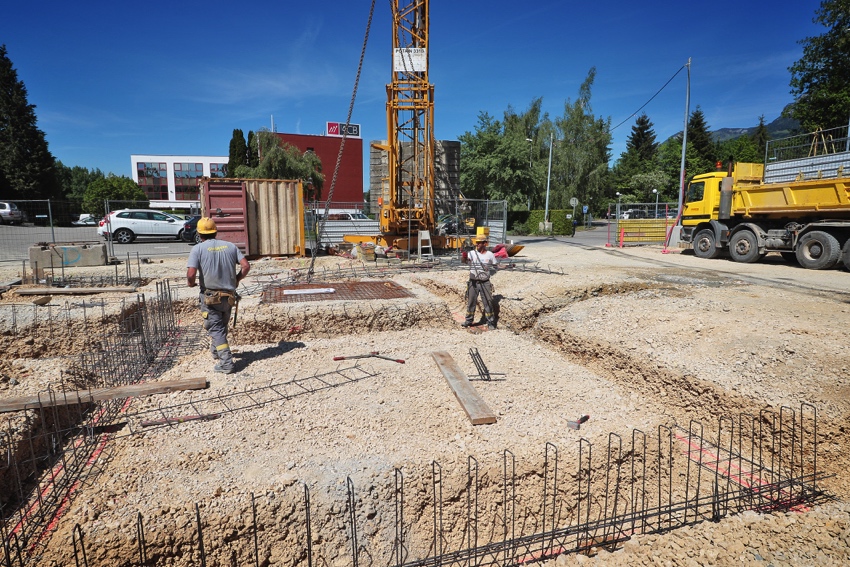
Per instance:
(225,361)
(491,326)
(466,324)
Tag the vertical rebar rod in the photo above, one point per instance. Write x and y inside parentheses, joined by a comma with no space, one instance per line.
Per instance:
(200,535)
(352,516)
(615,463)
(437,490)
(77,538)
(140,536)
(510,527)
(638,493)
(307,523)
(398,498)
(472,501)
(549,447)
(665,434)
(254,530)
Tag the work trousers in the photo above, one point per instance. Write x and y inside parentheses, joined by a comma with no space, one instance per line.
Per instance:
(483,288)
(216,319)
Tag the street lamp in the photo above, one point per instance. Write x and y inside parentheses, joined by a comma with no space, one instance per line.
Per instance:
(618,205)
(656,202)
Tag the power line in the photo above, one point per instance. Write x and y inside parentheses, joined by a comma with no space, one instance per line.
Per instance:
(650,100)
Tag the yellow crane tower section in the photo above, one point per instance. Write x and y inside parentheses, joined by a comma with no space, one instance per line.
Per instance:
(407,193)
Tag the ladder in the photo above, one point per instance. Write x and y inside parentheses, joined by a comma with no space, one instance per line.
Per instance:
(425,248)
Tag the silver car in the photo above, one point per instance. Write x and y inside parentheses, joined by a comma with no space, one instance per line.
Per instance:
(10,213)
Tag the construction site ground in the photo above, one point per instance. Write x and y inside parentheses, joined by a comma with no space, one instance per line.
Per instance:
(633,337)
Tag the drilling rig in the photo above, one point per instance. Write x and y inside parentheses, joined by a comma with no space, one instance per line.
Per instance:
(408,192)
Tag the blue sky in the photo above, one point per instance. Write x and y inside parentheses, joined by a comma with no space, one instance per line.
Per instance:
(110,79)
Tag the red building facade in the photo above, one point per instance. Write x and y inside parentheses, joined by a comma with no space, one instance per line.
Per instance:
(349,183)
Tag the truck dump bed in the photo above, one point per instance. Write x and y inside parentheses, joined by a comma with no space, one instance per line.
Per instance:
(805,175)
(824,197)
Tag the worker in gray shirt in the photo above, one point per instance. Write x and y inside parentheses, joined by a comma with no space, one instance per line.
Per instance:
(215,262)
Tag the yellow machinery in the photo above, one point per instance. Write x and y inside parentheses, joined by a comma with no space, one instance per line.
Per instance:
(408,192)
(798,207)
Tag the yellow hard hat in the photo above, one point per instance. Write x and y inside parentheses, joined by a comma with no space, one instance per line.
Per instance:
(206,226)
(480,238)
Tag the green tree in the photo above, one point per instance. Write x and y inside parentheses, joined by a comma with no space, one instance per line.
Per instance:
(238,154)
(75,180)
(112,188)
(284,161)
(760,138)
(580,162)
(699,140)
(742,148)
(496,159)
(253,156)
(638,159)
(26,164)
(820,79)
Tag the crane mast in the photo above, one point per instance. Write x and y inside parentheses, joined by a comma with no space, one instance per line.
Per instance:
(407,200)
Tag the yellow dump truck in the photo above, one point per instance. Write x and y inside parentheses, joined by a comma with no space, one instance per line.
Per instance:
(797,206)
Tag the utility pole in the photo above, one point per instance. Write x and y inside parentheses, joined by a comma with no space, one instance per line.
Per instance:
(548,181)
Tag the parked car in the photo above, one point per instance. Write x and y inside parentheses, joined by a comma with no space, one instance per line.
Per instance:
(10,214)
(85,220)
(128,224)
(190,230)
(635,214)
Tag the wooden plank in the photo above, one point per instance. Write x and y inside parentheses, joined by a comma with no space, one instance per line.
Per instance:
(100,394)
(472,403)
(72,290)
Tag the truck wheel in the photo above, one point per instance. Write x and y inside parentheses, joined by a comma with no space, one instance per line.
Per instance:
(744,247)
(845,254)
(705,245)
(818,250)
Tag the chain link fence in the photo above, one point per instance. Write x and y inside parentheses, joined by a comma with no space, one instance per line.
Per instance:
(51,222)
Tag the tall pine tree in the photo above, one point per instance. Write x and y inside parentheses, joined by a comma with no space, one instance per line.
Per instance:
(26,165)
(702,152)
(238,154)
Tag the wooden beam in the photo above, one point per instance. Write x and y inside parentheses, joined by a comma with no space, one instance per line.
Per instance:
(472,403)
(72,290)
(100,394)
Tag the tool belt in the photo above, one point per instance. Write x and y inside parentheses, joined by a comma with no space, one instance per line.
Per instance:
(215,297)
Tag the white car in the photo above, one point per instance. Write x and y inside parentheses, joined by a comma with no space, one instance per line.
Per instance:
(128,224)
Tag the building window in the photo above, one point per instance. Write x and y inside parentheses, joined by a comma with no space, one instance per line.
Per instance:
(153,179)
(186,181)
(218,170)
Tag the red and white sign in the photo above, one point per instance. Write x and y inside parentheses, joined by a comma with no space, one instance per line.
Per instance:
(338,128)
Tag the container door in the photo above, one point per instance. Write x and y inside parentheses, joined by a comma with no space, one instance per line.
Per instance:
(226,204)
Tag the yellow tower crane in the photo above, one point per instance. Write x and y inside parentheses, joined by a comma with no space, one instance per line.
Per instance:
(407,193)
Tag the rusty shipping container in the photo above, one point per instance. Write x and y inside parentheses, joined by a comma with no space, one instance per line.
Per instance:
(264,217)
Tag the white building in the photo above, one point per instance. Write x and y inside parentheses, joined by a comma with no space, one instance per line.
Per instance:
(172,182)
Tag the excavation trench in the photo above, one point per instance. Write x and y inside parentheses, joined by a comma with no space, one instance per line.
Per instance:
(457,502)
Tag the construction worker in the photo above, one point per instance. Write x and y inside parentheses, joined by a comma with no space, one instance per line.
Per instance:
(215,260)
(480,261)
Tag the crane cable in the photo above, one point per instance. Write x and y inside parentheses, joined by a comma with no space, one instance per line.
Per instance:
(322,221)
